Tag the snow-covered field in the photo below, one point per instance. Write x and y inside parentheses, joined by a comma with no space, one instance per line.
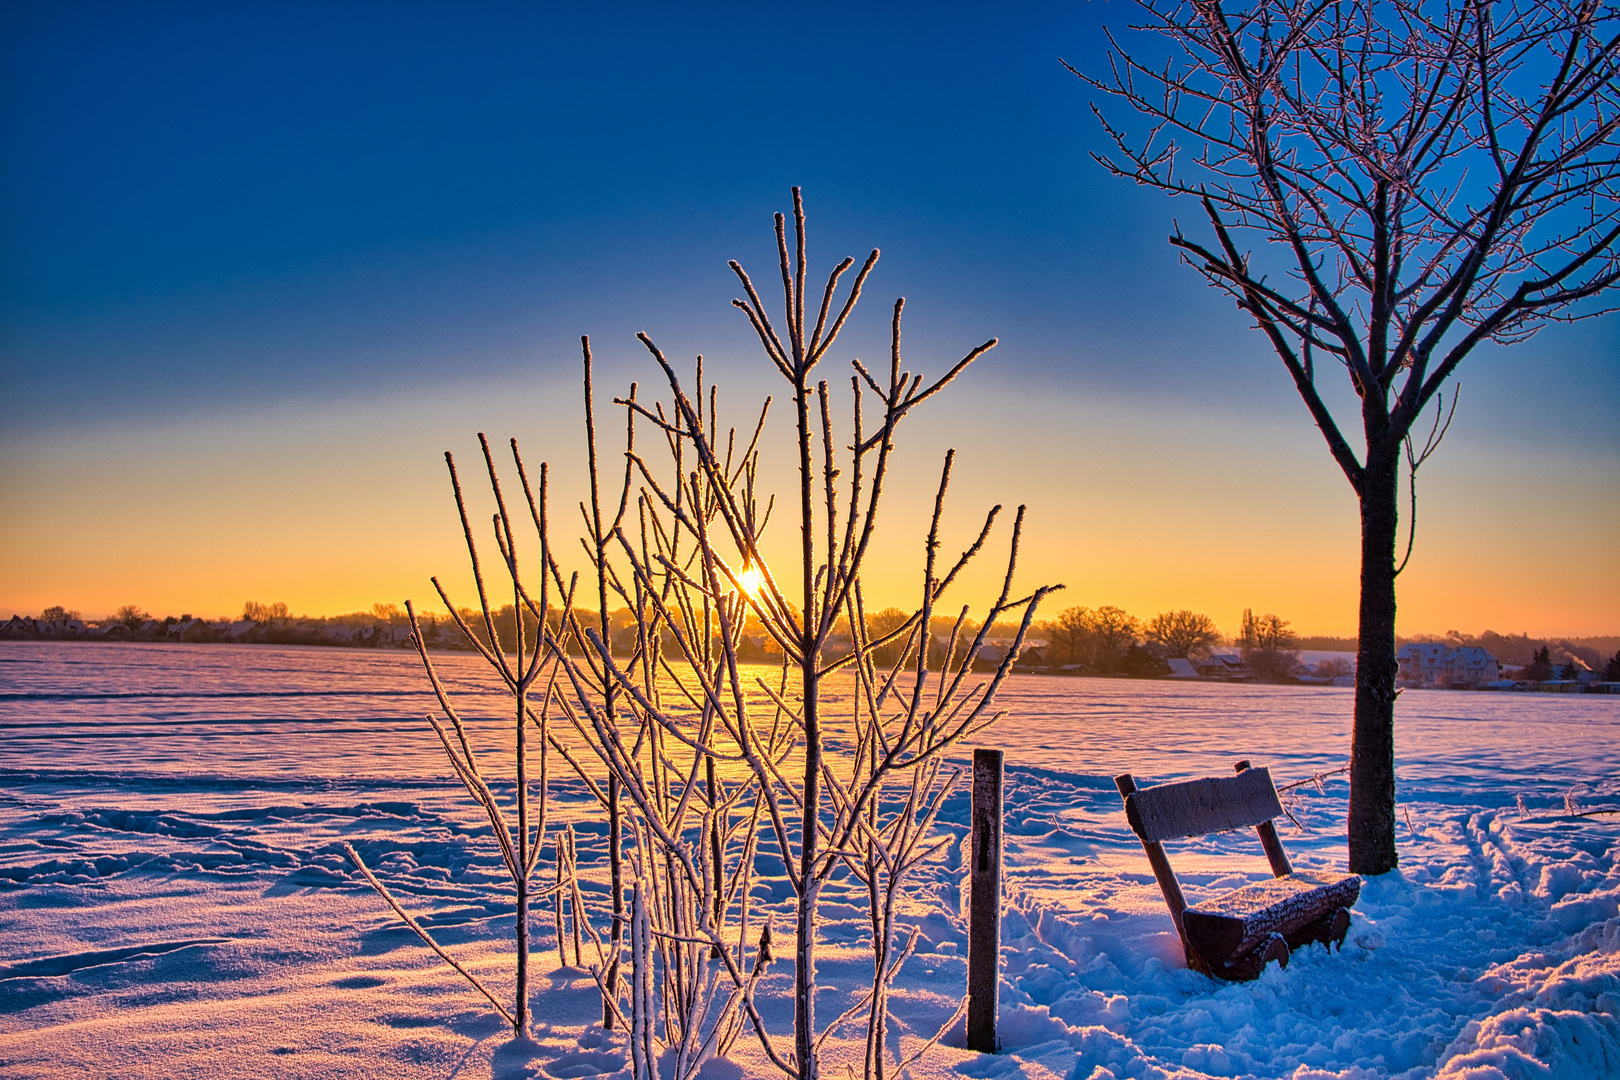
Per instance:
(174,901)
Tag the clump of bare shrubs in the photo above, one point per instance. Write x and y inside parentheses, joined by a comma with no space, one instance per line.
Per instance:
(835,761)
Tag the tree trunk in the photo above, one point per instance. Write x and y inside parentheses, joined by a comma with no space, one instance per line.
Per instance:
(520,1014)
(804,973)
(1372,747)
(616,885)
(715,852)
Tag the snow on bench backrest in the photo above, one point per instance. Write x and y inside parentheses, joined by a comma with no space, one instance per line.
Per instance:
(1196,807)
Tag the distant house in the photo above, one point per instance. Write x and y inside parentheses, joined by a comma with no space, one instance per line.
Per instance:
(1473,665)
(991,653)
(1422,663)
(192,630)
(1307,677)
(18,627)
(1435,664)
(1229,666)
(1182,668)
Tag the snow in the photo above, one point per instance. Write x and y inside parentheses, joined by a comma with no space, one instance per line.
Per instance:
(174,900)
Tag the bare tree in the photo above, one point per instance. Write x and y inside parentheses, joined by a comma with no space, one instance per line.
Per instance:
(882,624)
(1427,176)
(1113,630)
(1069,635)
(1183,632)
(258,612)
(519,838)
(597,541)
(1268,646)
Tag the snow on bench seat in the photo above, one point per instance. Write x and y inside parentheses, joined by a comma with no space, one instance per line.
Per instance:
(1232,924)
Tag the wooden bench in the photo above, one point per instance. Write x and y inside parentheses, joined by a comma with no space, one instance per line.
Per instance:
(1235,935)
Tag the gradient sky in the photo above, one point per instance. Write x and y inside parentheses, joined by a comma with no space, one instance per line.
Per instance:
(261,263)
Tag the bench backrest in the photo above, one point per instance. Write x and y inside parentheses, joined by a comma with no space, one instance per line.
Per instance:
(1196,807)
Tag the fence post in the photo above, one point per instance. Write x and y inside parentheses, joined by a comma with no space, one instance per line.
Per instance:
(984,904)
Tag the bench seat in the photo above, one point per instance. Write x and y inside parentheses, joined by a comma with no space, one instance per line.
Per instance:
(1230,925)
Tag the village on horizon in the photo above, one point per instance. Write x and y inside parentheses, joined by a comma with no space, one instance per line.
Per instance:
(1119,646)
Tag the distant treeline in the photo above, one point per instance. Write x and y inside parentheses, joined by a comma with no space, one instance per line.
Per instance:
(1102,640)
(384,625)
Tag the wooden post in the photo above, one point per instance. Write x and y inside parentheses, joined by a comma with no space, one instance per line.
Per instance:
(1275,855)
(1166,877)
(984,904)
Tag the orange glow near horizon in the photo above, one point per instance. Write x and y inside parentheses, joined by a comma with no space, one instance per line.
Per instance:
(333,509)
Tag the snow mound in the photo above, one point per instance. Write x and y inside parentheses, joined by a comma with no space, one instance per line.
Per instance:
(1536,1044)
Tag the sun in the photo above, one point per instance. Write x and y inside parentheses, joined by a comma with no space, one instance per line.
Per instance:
(751,580)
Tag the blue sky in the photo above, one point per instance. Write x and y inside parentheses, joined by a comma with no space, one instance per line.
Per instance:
(300,221)
(202,204)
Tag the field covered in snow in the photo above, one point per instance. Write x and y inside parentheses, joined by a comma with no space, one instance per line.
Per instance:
(174,901)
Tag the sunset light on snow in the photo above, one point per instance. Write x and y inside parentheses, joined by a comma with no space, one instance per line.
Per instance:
(1061,541)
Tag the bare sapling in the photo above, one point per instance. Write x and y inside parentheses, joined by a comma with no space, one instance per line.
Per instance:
(700,763)
(519,840)
(597,542)
(692,832)
(710,753)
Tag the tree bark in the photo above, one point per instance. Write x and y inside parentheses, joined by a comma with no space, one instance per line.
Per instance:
(520,1014)
(804,958)
(804,975)
(1371,831)
(616,884)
